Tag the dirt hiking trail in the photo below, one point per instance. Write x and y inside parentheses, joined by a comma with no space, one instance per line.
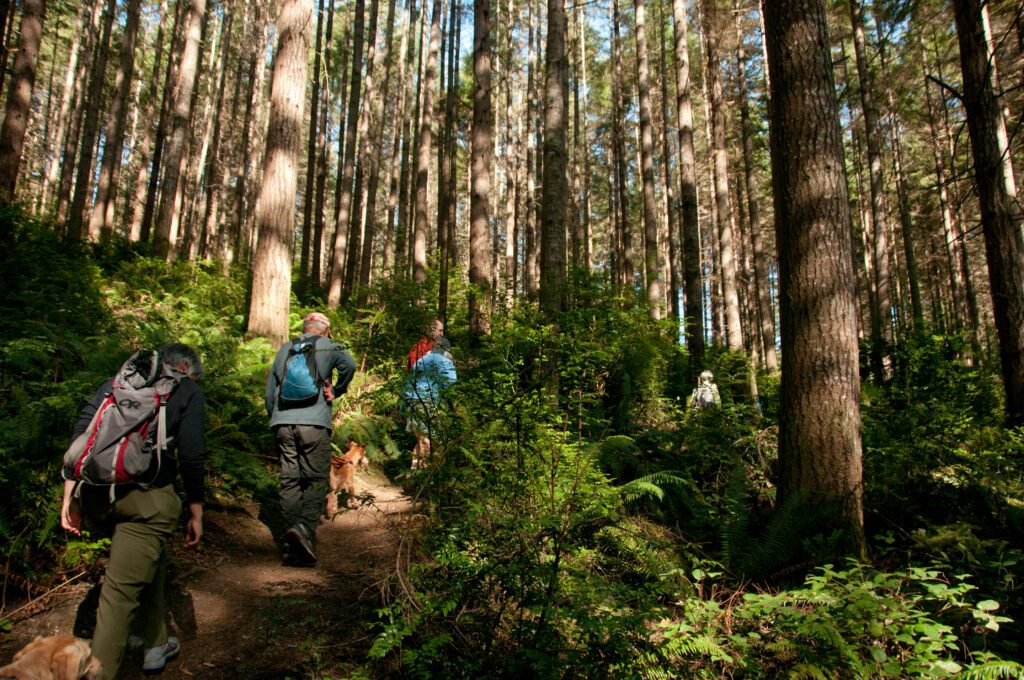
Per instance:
(240,613)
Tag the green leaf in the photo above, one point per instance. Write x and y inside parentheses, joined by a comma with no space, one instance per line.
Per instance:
(879,655)
(988,605)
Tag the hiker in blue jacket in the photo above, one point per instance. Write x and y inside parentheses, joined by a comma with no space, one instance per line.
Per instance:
(298,397)
(423,394)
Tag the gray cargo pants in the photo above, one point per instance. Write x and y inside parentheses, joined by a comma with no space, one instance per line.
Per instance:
(305,468)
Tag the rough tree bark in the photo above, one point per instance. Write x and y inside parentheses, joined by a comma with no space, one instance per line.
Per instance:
(1002,219)
(653,271)
(419,264)
(308,198)
(819,435)
(720,170)
(102,220)
(881,322)
(480,163)
(694,290)
(555,184)
(90,127)
(164,234)
(762,303)
(346,176)
(275,209)
(19,97)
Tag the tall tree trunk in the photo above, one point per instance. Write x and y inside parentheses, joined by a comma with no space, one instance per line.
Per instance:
(881,324)
(239,236)
(623,242)
(819,421)
(554,188)
(72,86)
(365,136)
(531,277)
(694,289)
(760,300)
(653,271)
(19,97)
(399,141)
(480,163)
(419,264)
(1001,217)
(102,220)
(667,153)
(346,176)
(323,141)
(78,110)
(375,157)
(90,126)
(902,192)
(275,209)
(165,234)
(211,228)
(720,165)
(145,218)
(588,233)
(311,155)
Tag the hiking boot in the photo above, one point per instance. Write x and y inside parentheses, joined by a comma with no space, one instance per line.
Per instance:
(155,658)
(300,545)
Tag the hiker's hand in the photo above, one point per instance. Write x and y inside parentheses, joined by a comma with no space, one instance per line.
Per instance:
(328,392)
(71,510)
(71,517)
(194,530)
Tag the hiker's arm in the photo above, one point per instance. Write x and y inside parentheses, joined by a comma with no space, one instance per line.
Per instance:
(89,410)
(192,448)
(70,511)
(345,366)
(270,395)
(194,530)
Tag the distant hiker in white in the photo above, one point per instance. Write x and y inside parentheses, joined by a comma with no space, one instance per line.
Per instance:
(706,394)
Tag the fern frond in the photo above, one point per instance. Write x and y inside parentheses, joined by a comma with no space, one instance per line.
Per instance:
(649,486)
(994,670)
(736,530)
(807,671)
(689,647)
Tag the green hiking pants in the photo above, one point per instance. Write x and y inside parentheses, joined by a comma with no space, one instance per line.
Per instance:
(305,469)
(139,523)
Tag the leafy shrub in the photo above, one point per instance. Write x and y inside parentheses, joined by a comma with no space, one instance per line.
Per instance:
(855,622)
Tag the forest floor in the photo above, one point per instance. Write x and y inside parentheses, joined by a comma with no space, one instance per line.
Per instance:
(240,613)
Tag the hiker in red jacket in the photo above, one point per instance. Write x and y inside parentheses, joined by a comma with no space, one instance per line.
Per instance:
(435,331)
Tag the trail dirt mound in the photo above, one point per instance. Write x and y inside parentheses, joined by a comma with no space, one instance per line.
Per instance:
(241,614)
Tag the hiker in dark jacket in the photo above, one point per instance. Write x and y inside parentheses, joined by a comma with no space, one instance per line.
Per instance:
(140,521)
(303,434)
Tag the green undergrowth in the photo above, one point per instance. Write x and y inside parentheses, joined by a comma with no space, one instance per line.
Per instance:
(575,518)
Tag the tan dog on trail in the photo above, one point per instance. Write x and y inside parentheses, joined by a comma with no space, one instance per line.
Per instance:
(343,477)
(60,657)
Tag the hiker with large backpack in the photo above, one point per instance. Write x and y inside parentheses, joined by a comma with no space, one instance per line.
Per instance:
(299,393)
(135,436)
(705,396)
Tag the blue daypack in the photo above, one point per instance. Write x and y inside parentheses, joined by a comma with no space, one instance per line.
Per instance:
(301,384)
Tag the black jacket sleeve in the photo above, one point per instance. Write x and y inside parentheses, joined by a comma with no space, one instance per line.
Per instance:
(191,444)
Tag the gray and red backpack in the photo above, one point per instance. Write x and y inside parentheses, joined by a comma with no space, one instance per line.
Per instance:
(127,437)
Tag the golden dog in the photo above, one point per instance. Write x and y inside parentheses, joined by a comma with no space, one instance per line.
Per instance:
(343,477)
(60,657)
